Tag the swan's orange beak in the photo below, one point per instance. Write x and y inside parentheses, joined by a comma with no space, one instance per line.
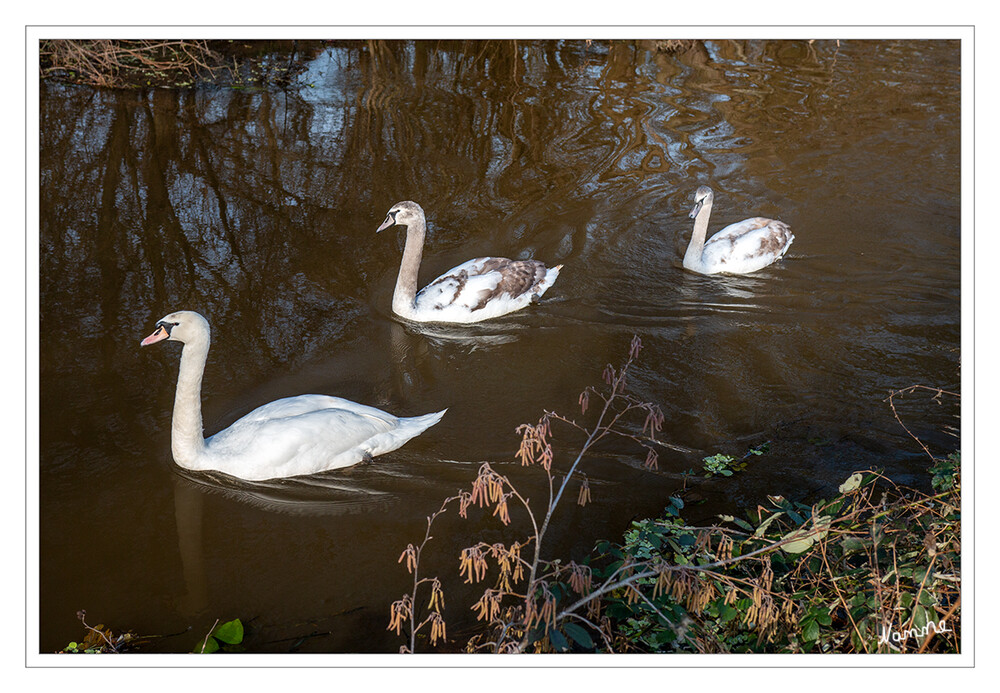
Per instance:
(158,336)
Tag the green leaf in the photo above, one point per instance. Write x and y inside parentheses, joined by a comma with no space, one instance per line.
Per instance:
(212,645)
(763,525)
(558,641)
(618,610)
(663,637)
(230,632)
(803,539)
(851,544)
(579,635)
(810,630)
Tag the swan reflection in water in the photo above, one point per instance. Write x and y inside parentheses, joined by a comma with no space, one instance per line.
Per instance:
(354,491)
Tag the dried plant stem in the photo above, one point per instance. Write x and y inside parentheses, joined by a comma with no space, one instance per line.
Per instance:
(840,596)
(938,392)
(81,614)
(204,643)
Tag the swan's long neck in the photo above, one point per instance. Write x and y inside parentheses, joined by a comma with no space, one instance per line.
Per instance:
(406,283)
(692,258)
(186,438)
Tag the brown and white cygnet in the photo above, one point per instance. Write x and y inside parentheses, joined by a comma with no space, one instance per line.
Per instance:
(740,248)
(477,290)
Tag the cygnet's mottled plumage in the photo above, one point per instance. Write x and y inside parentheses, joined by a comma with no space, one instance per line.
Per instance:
(740,248)
(477,290)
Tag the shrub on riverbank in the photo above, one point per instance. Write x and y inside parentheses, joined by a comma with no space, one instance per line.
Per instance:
(876,568)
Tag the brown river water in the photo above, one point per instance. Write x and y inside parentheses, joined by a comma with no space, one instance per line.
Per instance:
(258,208)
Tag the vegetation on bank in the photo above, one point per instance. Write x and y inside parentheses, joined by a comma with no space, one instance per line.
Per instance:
(140,64)
(144,63)
(99,639)
(875,568)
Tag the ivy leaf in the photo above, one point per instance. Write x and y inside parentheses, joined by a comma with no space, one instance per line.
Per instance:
(823,617)
(810,630)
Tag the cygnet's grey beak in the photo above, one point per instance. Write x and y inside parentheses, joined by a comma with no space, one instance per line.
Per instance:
(389,222)
(697,208)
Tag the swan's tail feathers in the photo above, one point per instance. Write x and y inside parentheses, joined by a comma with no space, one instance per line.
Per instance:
(407,429)
(548,280)
(422,423)
(790,236)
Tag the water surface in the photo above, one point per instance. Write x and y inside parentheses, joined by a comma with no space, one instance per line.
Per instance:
(258,208)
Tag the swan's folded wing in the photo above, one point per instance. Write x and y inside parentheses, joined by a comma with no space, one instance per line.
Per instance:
(463,285)
(476,283)
(295,444)
(751,241)
(305,404)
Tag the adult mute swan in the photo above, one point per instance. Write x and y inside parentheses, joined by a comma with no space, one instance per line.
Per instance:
(479,289)
(289,437)
(743,247)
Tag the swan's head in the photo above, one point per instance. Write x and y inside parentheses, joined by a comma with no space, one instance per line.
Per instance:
(702,196)
(184,326)
(402,214)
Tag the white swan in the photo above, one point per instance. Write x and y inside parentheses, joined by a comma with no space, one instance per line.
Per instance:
(743,247)
(289,437)
(479,289)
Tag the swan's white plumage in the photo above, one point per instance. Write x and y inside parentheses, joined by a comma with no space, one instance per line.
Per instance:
(740,248)
(294,436)
(476,290)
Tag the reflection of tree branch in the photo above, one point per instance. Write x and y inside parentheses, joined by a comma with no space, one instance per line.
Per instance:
(115,148)
(215,185)
(160,211)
